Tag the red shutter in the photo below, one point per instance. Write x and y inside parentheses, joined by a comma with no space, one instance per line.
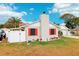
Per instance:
(36,31)
(49,31)
(28,31)
(54,31)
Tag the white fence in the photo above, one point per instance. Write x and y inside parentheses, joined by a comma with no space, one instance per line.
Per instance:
(16,36)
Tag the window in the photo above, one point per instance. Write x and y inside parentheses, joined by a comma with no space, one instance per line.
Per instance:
(32,31)
(52,31)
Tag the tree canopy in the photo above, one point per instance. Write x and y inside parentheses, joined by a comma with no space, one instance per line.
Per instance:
(12,22)
(70,20)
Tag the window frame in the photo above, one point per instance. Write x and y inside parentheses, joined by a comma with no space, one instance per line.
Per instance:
(52,30)
(35,32)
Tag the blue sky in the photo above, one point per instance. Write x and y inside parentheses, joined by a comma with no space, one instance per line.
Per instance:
(30,12)
(34,11)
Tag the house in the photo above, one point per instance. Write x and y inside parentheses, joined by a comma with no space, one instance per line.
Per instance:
(43,30)
(65,31)
(76,31)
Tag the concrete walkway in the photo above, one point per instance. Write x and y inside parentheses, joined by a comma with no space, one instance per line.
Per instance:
(76,37)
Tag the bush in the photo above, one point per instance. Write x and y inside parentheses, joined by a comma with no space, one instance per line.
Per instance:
(60,33)
(29,41)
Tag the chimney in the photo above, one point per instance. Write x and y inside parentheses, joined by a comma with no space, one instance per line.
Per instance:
(44,12)
(44,28)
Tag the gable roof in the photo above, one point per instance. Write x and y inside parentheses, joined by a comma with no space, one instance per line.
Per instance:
(37,23)
(54,24)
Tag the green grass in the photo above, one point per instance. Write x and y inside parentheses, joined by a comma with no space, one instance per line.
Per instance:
(10,45)
(66,45)
(60,42)
(63,42)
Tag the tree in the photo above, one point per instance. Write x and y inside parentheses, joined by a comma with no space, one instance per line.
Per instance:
(1,25)
(67,16)
(70,20)
(60,34)
(76,21)
(13,22)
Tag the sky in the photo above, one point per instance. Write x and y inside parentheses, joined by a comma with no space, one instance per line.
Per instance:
(30,12)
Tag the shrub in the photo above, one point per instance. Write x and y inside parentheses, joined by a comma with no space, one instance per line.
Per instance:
(60,33)
(29,41)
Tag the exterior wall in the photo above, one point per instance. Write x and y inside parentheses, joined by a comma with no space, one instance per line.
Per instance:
(55,35)
(44,27)
(37,26)
(32,38)
(65,32)
(21,36)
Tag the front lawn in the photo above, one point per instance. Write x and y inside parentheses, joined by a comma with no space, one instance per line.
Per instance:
(64,47)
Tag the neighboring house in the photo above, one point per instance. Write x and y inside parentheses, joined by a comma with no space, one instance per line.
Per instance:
(66,31)
(42,30)
(76,31)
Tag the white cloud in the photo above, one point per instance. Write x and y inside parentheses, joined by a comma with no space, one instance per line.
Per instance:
(11,14)
(62,8)
(8,10)
(62,5)
(31,9)
(25,13)
(5,8)
(50,11)
(55,10)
